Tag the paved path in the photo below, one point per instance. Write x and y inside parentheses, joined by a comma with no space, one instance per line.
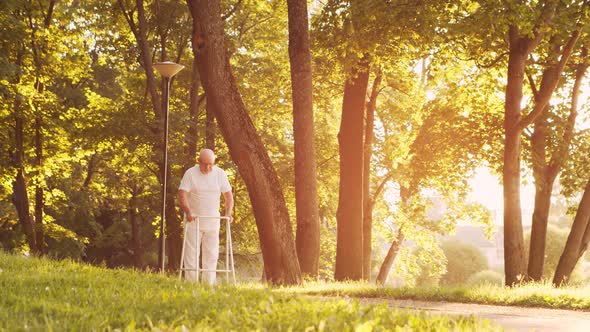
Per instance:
(510,318)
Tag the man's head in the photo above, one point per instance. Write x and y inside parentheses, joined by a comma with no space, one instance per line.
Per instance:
(206,161)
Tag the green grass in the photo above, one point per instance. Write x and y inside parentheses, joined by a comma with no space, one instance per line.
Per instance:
(40,294)
(528,295)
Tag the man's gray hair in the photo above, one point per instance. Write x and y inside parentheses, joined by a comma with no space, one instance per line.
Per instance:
(207,153)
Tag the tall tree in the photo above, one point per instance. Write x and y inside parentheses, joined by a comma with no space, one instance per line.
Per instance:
(545,171)
(349,216)
(140,31)
(272,218)
(306,195)
(20,197)
(38,48)
(521,44)
(369,201)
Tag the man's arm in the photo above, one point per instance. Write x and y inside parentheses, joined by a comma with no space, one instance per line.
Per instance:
(183,201)
(228,198)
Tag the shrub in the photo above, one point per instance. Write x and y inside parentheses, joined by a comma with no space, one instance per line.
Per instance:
(463,260)
(431,264)
(486,277)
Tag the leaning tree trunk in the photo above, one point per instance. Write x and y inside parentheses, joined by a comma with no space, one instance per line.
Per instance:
(306,195)
(396,244)
(577,241)
(545,173)
(246,149)
(349,216)
(390,257)
(367,154)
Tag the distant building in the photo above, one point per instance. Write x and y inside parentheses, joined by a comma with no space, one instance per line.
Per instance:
(493,249)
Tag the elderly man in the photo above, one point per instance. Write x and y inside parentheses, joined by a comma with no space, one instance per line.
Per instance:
(199,193)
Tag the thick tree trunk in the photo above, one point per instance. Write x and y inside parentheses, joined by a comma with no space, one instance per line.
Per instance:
(539,228)
(513,238)
(543,189)
(306,196)
(521,46)
(367,154)
(577,241)
(246,149)
(349,217)
(20,197)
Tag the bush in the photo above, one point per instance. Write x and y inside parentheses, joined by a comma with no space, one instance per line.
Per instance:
(486,277)
(432,266)
(463,260)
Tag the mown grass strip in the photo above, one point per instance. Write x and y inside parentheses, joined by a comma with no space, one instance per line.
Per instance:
(40,294)
(541,295)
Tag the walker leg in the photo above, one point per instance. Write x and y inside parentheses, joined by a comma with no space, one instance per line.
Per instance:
(198,269)
(227,251)
(231,252)
(183,246)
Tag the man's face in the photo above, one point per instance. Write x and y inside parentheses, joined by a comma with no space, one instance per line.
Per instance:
(206,164)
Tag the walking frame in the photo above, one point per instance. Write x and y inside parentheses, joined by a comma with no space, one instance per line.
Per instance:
(229,252)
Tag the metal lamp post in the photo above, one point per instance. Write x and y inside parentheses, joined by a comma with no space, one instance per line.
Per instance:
(167,70)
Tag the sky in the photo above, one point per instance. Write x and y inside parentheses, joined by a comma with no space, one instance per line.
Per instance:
(486,189)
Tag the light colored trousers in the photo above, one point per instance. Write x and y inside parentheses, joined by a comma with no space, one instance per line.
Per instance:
(208,239)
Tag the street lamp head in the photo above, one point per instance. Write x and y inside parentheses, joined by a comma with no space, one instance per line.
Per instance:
(168,69)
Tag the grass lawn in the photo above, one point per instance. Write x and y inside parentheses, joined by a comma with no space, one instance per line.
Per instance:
(528,295)
(40,294)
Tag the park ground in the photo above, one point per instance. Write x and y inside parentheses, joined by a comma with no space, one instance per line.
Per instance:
(41,294)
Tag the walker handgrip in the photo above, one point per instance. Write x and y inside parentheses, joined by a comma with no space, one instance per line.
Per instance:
(211,217)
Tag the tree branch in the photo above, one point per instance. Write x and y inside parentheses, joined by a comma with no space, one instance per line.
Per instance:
(493,62)
(532,84)
(231,11)
(550,79)
(128,17)
(381,186)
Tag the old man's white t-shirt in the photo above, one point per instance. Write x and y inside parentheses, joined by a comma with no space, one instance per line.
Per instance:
(204,193)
